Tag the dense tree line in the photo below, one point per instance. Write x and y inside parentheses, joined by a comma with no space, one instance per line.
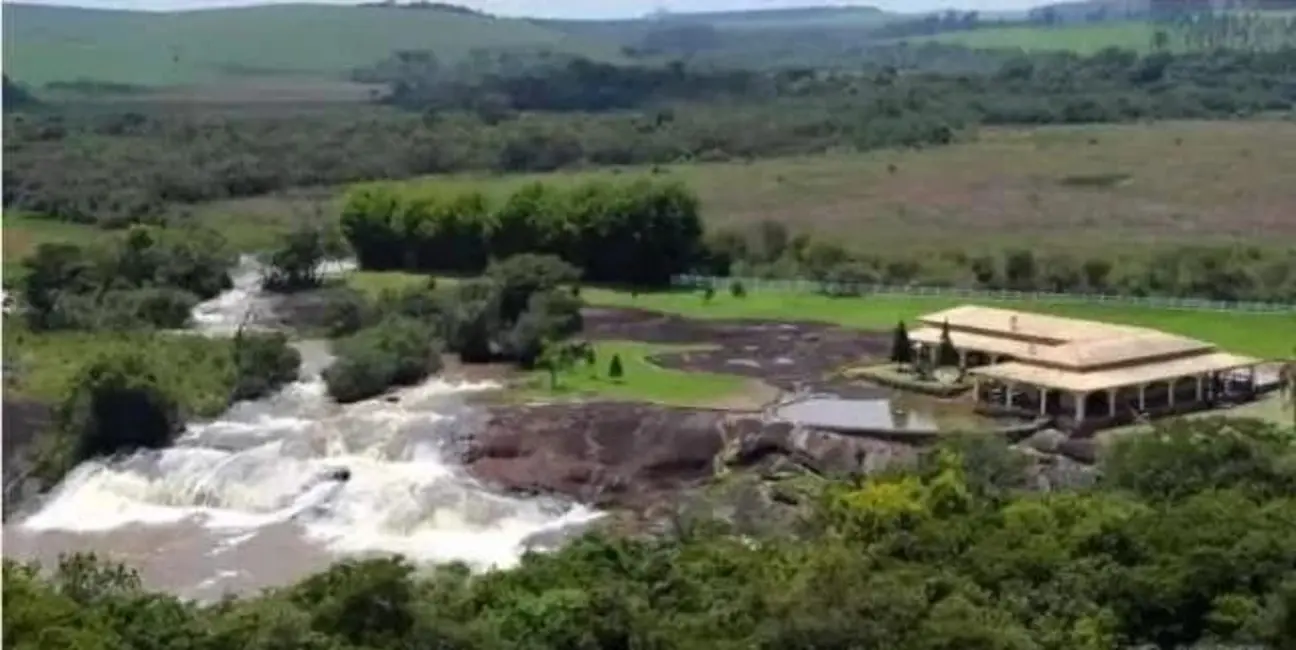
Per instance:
(1189,538)
(771,250)
(639,232)
(113,166)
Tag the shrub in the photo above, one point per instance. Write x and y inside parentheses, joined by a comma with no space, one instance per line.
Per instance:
(119,402)
(737,289)
(263,363)
(396,352)
(615,371)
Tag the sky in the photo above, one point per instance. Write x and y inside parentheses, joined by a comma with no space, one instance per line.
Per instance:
(595,8)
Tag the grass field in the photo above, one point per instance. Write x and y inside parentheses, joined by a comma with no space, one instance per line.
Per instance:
(44,43)
(1263,335)
(1087,38)
(1078,38)
(22,234)
(1101,187)
(641,379)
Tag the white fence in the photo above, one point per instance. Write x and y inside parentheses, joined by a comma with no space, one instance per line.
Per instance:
(1187,304)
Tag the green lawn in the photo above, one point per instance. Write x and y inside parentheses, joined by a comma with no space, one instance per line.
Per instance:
(641,381)
(1263,335)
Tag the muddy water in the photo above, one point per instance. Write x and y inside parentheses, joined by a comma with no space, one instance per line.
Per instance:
(256,497)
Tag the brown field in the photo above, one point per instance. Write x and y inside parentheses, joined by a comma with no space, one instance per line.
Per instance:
(1102,186)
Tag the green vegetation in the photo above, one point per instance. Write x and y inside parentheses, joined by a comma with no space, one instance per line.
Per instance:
(641,380)
(395,338)
(114,166)
(1080,39)
(638,233)
(1189,538)
(1265,335)
(282,43)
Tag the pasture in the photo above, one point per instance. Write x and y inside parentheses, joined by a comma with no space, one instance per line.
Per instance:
(1086,189)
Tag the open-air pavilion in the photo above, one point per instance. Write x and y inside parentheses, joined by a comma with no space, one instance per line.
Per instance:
(1084,372)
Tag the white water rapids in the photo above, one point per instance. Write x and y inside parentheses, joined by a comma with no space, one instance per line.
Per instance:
(252,499)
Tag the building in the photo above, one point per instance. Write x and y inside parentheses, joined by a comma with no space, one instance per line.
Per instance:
(1084,373)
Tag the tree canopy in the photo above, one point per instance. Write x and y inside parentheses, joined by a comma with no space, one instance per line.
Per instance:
(953,552)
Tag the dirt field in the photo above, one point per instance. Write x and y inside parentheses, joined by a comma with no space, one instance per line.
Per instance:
(1096,187)
(787,356)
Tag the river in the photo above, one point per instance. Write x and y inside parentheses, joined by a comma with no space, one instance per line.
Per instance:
(255,498)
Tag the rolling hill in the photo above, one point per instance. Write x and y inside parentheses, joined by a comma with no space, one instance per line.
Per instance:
(45,44)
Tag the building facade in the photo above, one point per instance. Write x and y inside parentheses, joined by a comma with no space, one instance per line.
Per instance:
(1084,373)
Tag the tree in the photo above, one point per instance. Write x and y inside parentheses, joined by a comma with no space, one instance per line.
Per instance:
(295,264)
(559,356)
(615,371)
(901,347)
(946,353)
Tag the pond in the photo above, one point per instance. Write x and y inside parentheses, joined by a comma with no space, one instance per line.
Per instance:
(827,412)
(899,414)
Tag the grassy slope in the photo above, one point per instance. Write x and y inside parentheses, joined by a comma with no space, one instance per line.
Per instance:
(1264,335)
(43,44)
(1187,183)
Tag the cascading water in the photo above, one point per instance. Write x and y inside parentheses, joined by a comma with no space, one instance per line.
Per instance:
(257,497)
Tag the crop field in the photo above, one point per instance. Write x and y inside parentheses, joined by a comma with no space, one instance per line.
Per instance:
(1082,188)
(1262,335)
(44,44)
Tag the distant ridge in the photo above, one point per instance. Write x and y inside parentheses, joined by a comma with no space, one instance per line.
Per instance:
(45,43)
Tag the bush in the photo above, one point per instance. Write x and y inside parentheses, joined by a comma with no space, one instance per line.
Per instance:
(120,402)
(395,352)
(263,363)
(737,289)
(615,371)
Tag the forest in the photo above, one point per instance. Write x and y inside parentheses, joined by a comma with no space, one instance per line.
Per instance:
(1186,540)
(121,165)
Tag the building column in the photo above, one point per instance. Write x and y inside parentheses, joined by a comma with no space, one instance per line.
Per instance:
(1080,399)
(1171,385)
(963,356)
(1142,397)
(1252,373)
(1111,401)
(1008,393)
(1199,388)
(1043,397)
(933,352)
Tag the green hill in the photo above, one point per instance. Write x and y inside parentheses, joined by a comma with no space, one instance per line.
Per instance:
(44,44)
